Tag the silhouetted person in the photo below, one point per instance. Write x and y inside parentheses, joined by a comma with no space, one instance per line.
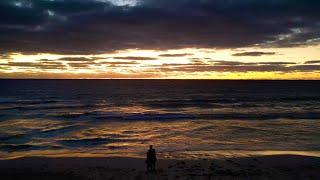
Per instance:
(151,159)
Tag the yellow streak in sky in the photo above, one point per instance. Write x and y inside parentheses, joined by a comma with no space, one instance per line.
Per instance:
(105,65)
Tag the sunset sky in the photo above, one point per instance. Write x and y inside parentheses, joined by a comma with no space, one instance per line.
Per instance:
(184,39)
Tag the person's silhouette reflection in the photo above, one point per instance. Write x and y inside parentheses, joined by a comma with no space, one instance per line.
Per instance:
(151,159)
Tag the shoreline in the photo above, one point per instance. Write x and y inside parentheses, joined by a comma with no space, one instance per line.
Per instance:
(181,155)
(260,167)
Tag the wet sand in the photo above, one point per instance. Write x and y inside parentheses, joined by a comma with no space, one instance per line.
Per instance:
(263,167)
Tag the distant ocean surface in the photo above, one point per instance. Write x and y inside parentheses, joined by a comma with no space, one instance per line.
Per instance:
(182,119)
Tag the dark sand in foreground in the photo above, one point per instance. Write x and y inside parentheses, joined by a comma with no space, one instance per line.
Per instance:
(264,167)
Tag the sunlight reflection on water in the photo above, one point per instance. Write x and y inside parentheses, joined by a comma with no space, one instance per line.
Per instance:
(175,139)
(180,118)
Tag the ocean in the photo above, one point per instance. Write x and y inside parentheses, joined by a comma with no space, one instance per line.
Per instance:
(180,118)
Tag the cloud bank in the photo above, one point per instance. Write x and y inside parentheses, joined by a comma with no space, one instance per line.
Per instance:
(99,26)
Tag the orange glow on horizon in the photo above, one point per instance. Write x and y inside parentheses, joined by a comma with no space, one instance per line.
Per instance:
(170,64)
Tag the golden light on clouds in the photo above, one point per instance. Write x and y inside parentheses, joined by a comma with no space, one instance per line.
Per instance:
(249,63)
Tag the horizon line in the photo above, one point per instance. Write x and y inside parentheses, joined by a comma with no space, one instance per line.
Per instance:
(159,79)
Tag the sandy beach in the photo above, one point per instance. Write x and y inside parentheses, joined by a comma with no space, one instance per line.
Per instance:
(263,167)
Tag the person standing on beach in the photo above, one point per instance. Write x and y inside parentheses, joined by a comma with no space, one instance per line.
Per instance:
(151,159)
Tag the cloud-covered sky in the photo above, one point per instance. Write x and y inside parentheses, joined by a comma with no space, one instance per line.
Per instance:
(160,39)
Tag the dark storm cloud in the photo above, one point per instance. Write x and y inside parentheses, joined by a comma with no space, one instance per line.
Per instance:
(90,26)
(255,53)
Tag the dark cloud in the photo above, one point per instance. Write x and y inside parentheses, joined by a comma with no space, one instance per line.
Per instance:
(77,63)
(91,26)
(175,55)
(101,63)
(305,68)
(227,68)
(198,66)
(239,63)
(243,68)
(255,53)
(312,62)
(34,65)
(185,64)
(77,59)
(80,65)
(237,66)
(231,63)
(121,63)
(278,63)
(137,58)
(104,75)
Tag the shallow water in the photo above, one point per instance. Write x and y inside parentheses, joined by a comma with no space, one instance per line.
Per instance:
(180,118)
